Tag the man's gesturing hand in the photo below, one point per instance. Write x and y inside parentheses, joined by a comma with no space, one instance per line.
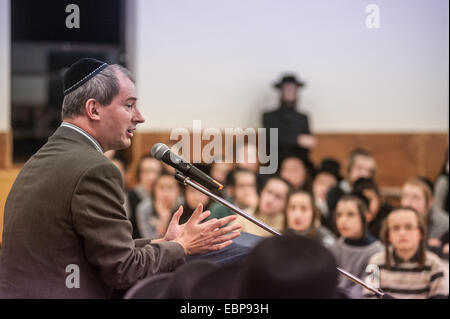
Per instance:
(200,238)
(174,229)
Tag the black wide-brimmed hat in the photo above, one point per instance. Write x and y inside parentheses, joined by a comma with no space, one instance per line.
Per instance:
(331,166)
(289,78)
(80,72)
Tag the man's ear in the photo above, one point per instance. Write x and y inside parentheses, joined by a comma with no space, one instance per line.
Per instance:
(92,109)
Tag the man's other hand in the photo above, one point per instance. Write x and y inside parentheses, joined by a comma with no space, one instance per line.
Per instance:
(201,238)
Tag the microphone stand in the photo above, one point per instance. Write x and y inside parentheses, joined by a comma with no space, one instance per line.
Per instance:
(187,181)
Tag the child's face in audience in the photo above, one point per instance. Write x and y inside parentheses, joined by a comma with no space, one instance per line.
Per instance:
(322,184)
(273,197)
(348,220)
(374,204)
(363,166)
(166,190)
(299,212)
(293,170)
(413,196)
(150,169)
(404,233)
(194,197)
(244,190)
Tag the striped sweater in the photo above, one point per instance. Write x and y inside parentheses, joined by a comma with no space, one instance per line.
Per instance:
(406,279)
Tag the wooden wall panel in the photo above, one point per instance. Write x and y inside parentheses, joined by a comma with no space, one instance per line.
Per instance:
(5,150)
(434,154)
(398,155)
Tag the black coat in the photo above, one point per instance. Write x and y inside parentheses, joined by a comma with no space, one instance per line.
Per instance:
(290,124)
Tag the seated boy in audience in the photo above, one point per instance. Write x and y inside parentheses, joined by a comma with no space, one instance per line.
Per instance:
(294,170)
(406,268)
(303,218)
(356,245)
(360,163)
(378,209)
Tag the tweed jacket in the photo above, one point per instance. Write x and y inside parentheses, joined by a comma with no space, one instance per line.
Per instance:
(66,233)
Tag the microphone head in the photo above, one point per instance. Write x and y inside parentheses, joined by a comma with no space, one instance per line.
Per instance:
(158,150)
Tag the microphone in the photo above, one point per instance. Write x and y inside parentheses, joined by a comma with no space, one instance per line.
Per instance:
(162,153)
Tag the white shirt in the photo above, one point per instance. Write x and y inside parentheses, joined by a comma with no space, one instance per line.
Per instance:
(84,133)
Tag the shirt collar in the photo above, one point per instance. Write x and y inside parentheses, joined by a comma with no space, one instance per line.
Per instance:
(85,134)
(415,258)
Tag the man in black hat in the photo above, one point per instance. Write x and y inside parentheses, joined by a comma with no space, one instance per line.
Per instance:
(66,233)
(294,135)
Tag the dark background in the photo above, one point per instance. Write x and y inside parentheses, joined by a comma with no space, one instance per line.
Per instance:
(42,50)
(45,20)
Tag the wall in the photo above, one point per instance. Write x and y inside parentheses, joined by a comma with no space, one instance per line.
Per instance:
(383,88)
(216,61)
(398,155)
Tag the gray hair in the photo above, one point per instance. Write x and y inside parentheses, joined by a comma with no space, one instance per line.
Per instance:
(103,87)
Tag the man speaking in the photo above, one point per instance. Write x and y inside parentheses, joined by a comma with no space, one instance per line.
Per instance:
(64,214)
